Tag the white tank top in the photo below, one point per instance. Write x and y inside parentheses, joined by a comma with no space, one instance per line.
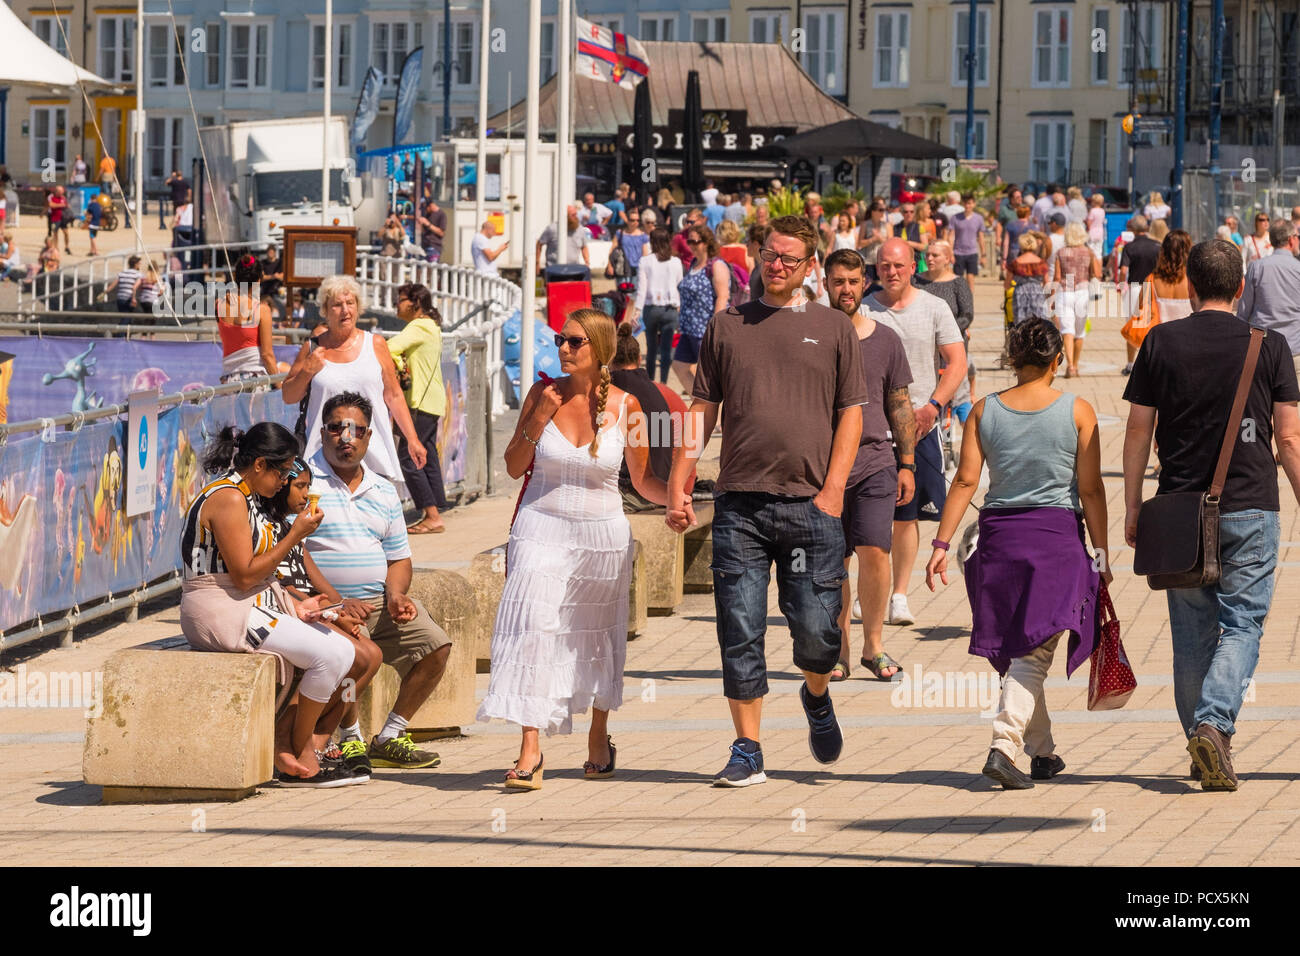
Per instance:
(362,375)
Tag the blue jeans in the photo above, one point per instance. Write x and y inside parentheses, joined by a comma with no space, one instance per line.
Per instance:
(751,531)
(660,324)
(1216,630)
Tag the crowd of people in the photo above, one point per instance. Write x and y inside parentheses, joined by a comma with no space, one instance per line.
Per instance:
(838,346)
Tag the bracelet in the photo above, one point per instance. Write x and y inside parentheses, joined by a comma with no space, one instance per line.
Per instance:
(531,441)
(937,406)
(939,545)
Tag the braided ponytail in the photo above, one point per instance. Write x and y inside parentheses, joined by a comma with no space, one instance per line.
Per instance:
(602,396)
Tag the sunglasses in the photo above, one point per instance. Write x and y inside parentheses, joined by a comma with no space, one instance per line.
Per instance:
(574,342)
(337,428)
(284,471)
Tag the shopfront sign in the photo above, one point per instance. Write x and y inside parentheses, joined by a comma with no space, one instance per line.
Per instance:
(721,131)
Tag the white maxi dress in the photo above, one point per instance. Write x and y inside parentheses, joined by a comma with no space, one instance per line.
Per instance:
(560,639)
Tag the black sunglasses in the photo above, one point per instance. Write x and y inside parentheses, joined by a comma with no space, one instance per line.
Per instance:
(575,341)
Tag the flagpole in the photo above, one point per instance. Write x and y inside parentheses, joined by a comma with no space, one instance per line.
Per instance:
(564,78)
(528,318)
(325,117)
(480,187)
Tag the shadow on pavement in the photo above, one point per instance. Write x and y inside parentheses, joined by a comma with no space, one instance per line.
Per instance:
(972,825)
(71,793)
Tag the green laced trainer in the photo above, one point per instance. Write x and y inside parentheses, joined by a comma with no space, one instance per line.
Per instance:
(355,758)
(401,753)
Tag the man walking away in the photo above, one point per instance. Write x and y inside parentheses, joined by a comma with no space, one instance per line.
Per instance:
(876,483)
(927,327)
(1136,263)
(485,257)
(1216,630)
(790,372)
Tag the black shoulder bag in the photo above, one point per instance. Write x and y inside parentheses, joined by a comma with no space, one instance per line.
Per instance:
(1178,534)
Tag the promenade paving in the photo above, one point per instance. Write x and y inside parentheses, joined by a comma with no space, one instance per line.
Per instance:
(906,791)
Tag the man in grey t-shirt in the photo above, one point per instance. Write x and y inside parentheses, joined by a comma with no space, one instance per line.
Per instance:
(579,236)
(925,324)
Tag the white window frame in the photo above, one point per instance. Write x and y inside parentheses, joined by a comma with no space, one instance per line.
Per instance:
(957,132)
(1056,162)
(253,26)
(665,25)
(172,146)
(52,139)
(959,37)
(1057,54)
(712,20)
(825,64)
(470,79)
(775,24)
(1099,63)
(613,24)
(896,55)
(316,81)
(1153,14)
(391,66)
(122,67)
(54,37)
(174,78)
(547,63)
(214,55)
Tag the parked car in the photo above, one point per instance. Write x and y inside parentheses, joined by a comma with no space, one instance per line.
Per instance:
(1115,197)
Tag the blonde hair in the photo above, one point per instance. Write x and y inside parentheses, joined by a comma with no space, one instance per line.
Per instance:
(1159,229)
(602,336)
(942,245)
(1075,234)
(1074,192)
(728,232)
(1028,243)
(336,287)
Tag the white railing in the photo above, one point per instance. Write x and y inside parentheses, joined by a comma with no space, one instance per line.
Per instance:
(79,286)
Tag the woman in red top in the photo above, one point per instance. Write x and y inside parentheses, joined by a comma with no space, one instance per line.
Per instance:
(732,248)
(244,322)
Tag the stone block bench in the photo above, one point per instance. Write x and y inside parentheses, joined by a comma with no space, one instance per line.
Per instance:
(180,725)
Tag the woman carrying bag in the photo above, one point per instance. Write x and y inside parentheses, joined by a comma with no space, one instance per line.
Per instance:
(1031,582)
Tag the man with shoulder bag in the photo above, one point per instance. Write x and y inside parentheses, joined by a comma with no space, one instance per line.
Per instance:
(1214,392)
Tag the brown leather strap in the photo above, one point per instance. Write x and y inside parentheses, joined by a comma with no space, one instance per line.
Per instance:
(1238,407)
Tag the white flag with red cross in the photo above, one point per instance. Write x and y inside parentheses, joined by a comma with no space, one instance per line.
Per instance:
(610,57)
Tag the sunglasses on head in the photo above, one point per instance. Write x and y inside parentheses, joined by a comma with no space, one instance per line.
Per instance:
(575,342)
(337,428)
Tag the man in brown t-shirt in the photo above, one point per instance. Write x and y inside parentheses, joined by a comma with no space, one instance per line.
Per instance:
(791,375)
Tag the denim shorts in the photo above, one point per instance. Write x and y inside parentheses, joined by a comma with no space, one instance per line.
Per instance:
(751,531)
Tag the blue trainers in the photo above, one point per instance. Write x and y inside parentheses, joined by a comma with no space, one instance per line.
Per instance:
(825,739)
(745,768)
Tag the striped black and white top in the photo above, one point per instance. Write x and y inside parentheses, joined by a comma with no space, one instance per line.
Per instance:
(199,552)
(126,280)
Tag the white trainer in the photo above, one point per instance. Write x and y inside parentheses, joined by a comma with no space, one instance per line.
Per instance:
(899,612)
(857,610)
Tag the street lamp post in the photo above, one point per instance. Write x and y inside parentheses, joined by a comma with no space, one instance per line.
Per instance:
(325,117)
(138,138)
(970,82)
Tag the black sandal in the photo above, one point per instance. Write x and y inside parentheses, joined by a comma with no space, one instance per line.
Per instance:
(592,772)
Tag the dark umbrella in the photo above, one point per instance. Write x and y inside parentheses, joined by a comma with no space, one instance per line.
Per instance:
(645,170)
(692,144)
(856,139)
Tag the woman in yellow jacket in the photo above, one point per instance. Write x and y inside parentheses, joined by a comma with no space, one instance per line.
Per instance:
(418,350)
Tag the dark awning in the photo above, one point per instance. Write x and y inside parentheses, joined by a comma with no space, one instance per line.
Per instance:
(857,139)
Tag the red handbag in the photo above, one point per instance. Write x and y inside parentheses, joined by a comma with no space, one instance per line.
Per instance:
(1110,681)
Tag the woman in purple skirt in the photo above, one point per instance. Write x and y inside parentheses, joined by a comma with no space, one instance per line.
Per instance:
(1031,581)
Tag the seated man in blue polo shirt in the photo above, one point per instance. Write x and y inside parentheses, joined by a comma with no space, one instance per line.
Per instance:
(362,549)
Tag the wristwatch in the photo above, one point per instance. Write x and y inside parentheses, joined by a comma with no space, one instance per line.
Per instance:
(908,466)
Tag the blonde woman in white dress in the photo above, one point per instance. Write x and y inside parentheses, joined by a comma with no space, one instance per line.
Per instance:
(560,638)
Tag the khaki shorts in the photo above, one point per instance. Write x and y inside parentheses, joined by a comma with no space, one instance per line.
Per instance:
(405,645)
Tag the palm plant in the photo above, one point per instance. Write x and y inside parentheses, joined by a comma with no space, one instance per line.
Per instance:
(967,181)
(786,201)
(837,198)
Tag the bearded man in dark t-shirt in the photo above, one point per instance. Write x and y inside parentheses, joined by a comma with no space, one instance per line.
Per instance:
(1182,388)
(791,375)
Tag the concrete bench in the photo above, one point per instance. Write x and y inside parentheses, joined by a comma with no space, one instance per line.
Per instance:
(180,725)
(665,560)
(697,551)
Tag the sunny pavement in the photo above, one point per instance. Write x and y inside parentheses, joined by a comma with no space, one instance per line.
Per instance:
(907,789)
